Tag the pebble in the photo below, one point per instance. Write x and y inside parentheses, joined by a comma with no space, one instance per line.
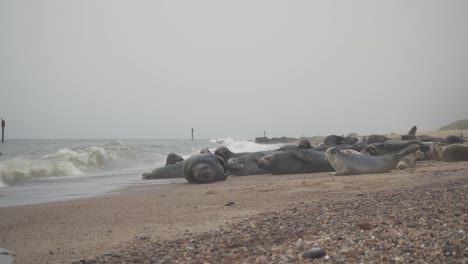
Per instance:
(364,225)
(314,253)
(230,204)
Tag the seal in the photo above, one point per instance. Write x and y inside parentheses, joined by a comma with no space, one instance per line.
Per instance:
(454,140)
(248,164)
(334,140)
(173,158)
(341,143)
(454,152)
(295,161)
(376,139)
(166,172)
(204,168)
(434,151)
(388,147)
(205,150)
(303,144)
(226,154)
(351,164)
(410,160)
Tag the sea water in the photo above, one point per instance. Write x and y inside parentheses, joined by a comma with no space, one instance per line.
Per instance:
(37,171)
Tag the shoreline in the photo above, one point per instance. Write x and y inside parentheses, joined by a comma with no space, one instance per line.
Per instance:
(64,231)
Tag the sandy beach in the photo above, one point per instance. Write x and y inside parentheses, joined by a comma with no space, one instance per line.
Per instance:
(418,215)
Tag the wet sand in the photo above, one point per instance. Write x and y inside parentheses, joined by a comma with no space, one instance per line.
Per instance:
(175,219)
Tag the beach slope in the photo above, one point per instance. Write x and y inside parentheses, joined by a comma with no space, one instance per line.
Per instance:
(401,216)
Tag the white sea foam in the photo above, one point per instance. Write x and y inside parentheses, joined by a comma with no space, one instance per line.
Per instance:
(68,162)
(244,145)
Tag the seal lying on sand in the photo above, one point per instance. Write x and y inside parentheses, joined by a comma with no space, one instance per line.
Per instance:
(248,164)
(454,152)
(410,160)
(169,171)
(334,140)
(388,147)
(204,168)
(226,154)
(349,164)
(173,158)
(295,161)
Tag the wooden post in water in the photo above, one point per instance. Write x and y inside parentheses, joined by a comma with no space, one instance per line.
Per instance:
(3,130)
(192,134)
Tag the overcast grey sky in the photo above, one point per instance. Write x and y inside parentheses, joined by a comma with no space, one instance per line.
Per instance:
(155,69)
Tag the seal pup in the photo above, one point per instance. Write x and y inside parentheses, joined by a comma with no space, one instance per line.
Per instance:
(295,161)
(204,168)
(166,172)
(226,154)
(351,164)
(173,158)
(410,160)
(454,152)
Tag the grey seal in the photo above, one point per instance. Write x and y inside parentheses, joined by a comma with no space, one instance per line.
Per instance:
(204,168)
(295,161)
(349,164)
(226,154)
(454,152)
(166,172)
(205,150)
(173,158)
(388,147)
(303,144)
(248,164)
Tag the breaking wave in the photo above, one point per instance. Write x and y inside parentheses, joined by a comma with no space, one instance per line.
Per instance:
(244,145)
(68,162)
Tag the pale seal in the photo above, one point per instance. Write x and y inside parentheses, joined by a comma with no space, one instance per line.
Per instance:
(204,168)
(349,164)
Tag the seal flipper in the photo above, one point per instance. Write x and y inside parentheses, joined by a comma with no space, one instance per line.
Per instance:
(408,150)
